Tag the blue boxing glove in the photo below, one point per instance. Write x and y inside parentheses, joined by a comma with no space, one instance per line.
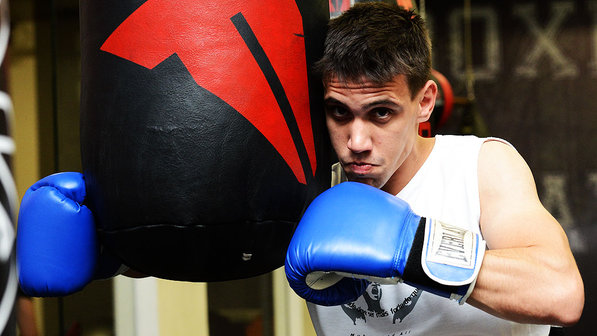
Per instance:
(354,233)
(57,247)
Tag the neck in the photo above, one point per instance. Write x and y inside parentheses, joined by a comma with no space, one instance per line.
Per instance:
(419,153)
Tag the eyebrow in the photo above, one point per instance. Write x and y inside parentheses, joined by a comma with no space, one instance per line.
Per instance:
(368,106)
(334,101)
(381,102)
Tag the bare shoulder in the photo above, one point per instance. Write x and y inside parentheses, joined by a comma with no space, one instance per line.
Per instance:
(510,208)
(495,151)
(504,172)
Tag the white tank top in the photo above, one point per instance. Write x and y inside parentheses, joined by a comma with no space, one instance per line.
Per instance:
(445,188)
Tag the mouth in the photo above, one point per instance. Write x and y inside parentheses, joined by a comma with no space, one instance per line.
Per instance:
(360,168)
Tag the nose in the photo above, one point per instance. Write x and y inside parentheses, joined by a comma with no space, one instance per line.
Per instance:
(359,139)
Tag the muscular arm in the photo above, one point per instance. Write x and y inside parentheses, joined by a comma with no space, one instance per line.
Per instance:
(528,273)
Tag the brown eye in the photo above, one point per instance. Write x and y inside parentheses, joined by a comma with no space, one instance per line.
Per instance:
(337,112)
(382,113)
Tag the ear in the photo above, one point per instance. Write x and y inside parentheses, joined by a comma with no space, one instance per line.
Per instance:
(427,97)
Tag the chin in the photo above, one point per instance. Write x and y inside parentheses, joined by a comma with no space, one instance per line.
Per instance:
(366,180)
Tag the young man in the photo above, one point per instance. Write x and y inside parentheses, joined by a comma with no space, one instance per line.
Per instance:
(376,71)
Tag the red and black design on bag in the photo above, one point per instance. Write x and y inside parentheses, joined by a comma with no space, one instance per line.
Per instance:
(202,134)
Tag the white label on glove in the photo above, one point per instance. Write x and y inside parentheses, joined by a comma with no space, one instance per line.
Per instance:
(451,245)
(451,255)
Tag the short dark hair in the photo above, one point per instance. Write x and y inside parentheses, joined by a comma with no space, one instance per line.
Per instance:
(377,41)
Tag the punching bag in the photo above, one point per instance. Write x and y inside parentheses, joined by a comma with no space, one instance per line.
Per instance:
(202,131)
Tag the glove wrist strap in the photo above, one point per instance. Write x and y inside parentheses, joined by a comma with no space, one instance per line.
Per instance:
(444,260)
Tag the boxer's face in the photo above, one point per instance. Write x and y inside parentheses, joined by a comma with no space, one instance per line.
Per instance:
(373,127)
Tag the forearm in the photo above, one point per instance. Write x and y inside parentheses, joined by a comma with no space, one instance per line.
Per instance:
(529,285)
